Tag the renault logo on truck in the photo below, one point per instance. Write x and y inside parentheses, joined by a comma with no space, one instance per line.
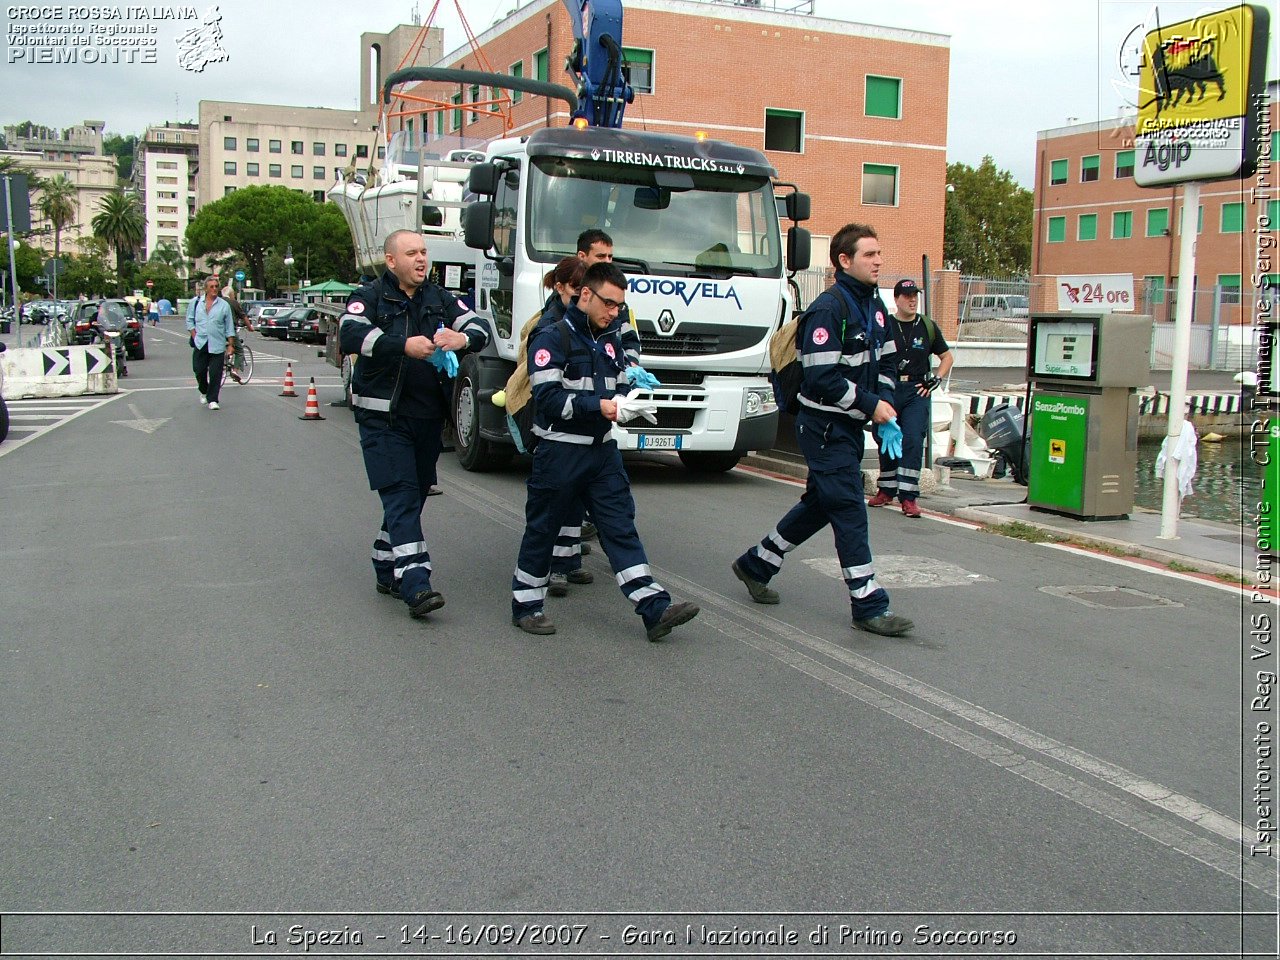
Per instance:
(666,322)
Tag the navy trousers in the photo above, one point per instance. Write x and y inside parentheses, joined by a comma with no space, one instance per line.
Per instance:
(833,495)
(400,459)
(901,477)
(565,477)
(567,555)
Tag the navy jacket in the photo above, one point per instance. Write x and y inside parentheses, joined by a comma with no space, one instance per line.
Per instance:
(568,387)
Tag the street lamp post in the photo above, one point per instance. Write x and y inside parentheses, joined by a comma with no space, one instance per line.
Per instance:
(288,262)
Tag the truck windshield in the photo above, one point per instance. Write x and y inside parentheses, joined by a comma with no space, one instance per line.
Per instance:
(714,223)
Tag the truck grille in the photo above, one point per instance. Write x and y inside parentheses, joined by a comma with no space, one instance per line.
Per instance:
(697,339)
(680,345)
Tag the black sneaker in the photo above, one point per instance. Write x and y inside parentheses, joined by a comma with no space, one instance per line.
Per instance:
(389,589)
(423,602)
(887,625)
(760,592)
(580,576)
(558,585)
(673,616)
(537,623)
(588,530)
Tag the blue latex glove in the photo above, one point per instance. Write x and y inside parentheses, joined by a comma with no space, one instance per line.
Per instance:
(514,430)
(891,439)
(638,376)
(446,361)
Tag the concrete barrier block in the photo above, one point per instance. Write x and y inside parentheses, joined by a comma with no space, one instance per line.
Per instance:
(57,372)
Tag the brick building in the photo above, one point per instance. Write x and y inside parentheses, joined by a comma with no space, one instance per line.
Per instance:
(1090,217)
(854,114)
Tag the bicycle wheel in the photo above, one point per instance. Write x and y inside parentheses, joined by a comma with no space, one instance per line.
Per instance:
(246,367)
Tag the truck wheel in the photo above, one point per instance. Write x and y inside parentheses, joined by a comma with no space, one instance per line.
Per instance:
(708,461)
(346,379)
(475,453)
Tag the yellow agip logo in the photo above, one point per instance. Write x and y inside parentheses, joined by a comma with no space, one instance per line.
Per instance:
(1057,450)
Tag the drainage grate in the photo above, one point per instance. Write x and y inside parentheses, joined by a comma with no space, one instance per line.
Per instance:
(1111,598)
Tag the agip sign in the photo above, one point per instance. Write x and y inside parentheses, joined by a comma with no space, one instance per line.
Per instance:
(1199,79)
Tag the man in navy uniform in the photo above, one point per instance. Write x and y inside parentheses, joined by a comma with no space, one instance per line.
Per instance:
(847,364)
(400,400)
(575,367)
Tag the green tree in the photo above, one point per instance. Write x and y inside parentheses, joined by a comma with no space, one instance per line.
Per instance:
(58,205)
(164,279)
(28,262)
(119,222)
(256,224)
(988,221)
(122,148)
(89,274)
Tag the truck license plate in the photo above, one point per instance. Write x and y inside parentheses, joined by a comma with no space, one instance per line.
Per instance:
(647,442)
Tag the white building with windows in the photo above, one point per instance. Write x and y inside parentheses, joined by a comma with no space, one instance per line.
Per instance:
(165,165)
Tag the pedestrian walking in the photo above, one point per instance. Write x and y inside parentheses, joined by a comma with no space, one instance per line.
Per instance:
(575,367)
(847,363)
(917,340)
(400,327)
(211,327)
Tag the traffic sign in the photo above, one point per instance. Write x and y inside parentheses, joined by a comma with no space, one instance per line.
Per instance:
(240,276)
(150,283)
(55,267)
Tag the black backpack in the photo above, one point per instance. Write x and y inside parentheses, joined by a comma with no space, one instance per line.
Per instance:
(786,371)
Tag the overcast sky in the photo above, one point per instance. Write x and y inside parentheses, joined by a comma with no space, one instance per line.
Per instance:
(1017,66)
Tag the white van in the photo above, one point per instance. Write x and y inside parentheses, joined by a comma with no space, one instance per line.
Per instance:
(996,306)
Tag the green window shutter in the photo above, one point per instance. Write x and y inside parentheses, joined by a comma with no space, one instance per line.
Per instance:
(1124,164)
(884,97)
(540,64)
(1089,169)
(1057,229)
(1088,227)
(1058,171)
(1232,218)
(517,70)
(1121,225)
(1157,221)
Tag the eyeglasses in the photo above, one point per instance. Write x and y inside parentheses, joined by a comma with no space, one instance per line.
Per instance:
(610,304)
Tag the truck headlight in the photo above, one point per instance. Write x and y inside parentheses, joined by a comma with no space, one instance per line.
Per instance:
(759,401)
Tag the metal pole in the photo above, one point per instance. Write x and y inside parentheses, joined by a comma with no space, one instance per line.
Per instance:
(13,266)
(1181,352)
(1215,319)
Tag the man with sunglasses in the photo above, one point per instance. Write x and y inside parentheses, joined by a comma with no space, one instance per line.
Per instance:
(577,460)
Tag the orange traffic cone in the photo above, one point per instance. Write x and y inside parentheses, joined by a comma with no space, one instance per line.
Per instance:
(288,382)
(313,403)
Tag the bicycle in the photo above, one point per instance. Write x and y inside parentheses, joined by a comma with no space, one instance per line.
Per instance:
(241,363)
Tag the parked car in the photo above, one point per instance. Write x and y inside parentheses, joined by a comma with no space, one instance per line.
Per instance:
(120,315)
(271,320)
(996,306)
(310,324)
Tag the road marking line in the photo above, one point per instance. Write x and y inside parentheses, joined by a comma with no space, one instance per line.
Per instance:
(1151,566)
(8,448)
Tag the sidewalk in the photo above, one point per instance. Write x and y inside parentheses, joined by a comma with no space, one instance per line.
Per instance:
(1204,545)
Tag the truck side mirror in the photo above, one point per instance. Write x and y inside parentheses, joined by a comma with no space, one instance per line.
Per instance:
(798,207)
(477,226)
(483,179)
(799,248)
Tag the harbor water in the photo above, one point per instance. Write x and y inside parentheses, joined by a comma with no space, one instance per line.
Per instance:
(1228,484)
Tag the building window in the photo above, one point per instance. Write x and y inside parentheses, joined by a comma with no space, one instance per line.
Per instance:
(1057,229)
(456,123)
(1087,227)
(317,196)
(784,130)
(317,173)
(251,144)
(362,151)
(1057,172)
(494,100)
(295,171)
(472,115)
(1122,225)
(1232,218)
(517,70)
(251,169)
(1158,222)
(541,64)
(228,191)
(1155,289)
(273,170)
(295,147)
(439,123)
(1124,164)
(382,153)
(637,69)
(884,97)
(228,143)
(1230,284)
(880,184)
(339,149)
(229,168)
(1089,169)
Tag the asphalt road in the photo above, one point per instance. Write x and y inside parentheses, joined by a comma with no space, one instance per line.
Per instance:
(207,708)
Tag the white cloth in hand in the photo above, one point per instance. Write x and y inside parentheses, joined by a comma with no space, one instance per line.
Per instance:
(631,406)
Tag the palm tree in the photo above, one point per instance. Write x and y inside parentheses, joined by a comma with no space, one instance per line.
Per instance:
(119,223)
(58,206)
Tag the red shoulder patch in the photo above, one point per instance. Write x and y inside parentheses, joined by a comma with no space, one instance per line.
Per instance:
(820,336)
(356,307)
(542,358)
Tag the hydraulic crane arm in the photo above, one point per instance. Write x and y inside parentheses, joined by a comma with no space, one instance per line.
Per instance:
(596,61)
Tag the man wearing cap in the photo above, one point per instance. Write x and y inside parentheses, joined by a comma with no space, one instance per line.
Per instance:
(917,339)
